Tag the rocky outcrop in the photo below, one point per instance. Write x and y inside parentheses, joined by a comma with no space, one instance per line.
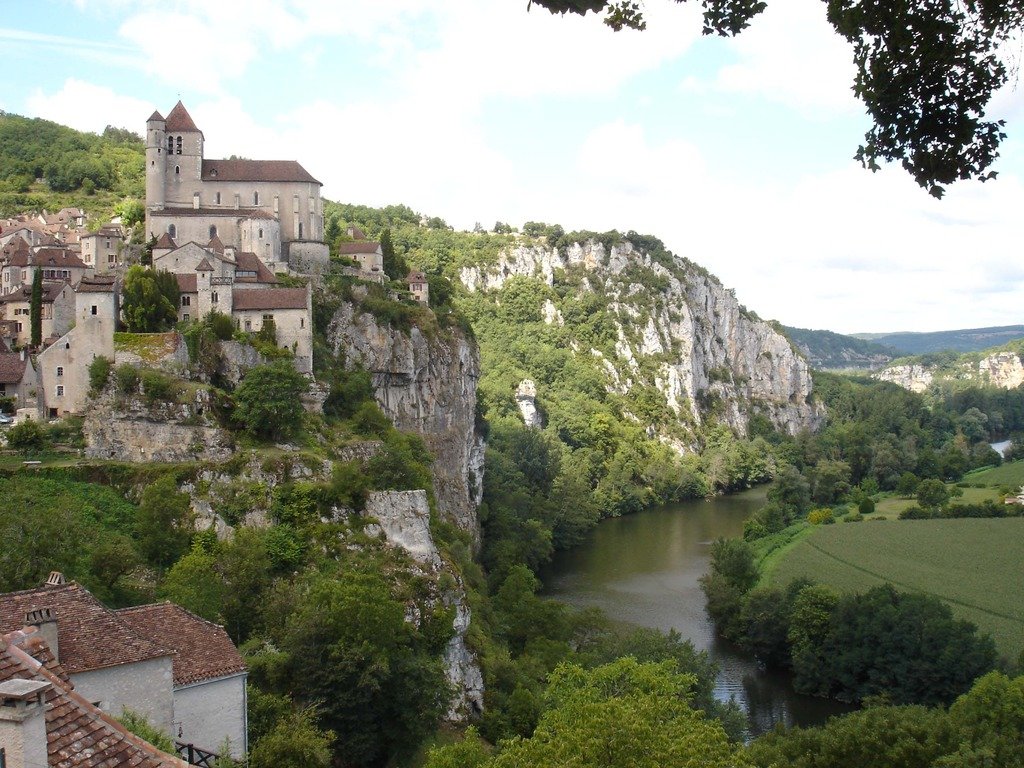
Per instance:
(526,399)
(403,517)
(706,351)
(129,429)
(425,384)
(1002,369)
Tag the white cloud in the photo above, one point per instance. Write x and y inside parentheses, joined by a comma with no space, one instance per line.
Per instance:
(89,107)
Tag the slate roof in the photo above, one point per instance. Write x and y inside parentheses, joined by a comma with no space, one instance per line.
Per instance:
(12,367)
(216,245)
(246,261)
(204,266)
(255,170)
(203,650)
(78,734)
(180,121)
(268,298)
(89,635)
(364,246)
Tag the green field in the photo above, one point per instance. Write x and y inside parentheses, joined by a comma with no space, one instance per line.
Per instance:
(975,565)
(1011,474)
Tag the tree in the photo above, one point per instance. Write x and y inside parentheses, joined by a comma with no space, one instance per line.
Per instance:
(149,301)
(36,308)
(27,437)
(395,266)
(193,583)
(926,71)
(163,524)
(269,399)
(932,494)
(132,212)
(294,742)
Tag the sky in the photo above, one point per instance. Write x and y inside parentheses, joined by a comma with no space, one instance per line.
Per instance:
(737,153)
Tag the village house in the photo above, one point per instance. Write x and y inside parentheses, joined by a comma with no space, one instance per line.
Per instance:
(57,311)
(45,721)
(418,286)
(271,208)
(288,310)
(180,672)
(101,250)
(55,264)
(17,376)
(63,372)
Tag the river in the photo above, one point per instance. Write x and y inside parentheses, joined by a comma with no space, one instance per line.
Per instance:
(643,569)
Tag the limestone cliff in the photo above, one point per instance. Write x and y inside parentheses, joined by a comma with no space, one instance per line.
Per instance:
(678,330)
(999,368)
(425,384)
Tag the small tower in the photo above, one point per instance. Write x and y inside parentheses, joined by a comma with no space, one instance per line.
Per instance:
(183,152)
(156,165)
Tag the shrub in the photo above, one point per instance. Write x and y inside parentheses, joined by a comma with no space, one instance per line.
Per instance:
(853,517)
(221,325)
(26,437)
(268,400)
(127,378)
(866,506)
(158,387)
(370,420)
(823,516)
(99,374)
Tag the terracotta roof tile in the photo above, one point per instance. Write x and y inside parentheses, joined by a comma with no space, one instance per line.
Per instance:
(187,283)
(165,241)
(250,262)
(12,367)
(78,734)
(180,121)
(362,246)
(416,277)
(268,298)
(234,213)
(56,257)
(216,244)
(51,290)
(203,649)
(204,266)
(97,284)
(90,636)
(255,170)
(155,116)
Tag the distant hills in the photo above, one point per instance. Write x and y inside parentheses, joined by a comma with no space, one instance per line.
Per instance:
(826,350)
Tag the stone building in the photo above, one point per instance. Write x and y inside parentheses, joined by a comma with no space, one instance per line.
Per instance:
(55,263)
(290,310)
(58,309)
(101,250)
(17,376)
(63,372)
(271,208)
(418,286)
(180,672)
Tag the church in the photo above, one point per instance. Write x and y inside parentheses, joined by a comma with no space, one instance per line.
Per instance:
(272,208)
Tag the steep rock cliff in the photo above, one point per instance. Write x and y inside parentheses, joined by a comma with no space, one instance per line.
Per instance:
(425,384)
(1001,368)
(678,330)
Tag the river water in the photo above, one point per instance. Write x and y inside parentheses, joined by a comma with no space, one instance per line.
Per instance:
(643,569)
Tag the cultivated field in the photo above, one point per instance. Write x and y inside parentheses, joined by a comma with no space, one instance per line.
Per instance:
(1011,474)
(975,565)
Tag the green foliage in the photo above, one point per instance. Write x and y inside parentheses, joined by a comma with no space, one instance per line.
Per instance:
(145,730)
(127,379)
(932,494)
(99,374)
(149,300)
(36,309)
(295,741)
(132,212)
(269,400)
(189,584)
(163,523)
(26,436)
(158,387)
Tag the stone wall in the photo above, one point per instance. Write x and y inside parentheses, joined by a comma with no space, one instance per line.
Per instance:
(144,687)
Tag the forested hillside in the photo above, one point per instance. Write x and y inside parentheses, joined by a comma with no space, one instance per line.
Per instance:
(962,340)
(826,350)
(46,165)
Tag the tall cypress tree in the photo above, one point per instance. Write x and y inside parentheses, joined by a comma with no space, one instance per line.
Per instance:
(36,308)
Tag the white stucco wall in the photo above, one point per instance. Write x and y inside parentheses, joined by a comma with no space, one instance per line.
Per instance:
(145,687)
(211,711)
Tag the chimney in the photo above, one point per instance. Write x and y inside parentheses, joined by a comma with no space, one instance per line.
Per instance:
(56,579)
(44,620)
(351,232)
(23,723)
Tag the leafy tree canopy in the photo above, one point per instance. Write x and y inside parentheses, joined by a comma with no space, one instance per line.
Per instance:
(926,71)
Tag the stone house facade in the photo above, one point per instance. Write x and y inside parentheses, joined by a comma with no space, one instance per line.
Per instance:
(101,250)
(418,286)
(58,309)
(291,312)
(55,263)
(261,206)
(17,376)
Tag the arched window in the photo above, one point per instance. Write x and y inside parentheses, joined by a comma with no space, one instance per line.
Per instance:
(255,198)
(172,231)
(179,146)
(261,234)
(177,170)
(170,144)
(213,231)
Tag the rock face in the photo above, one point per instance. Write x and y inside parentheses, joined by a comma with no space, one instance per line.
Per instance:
(704,349)
(424,385)
(526,399)
(404,520)
(132,430)
(1002,369)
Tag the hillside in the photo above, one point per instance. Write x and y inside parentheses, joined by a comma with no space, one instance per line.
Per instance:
(47,165)
(1001,367)
(826,350)
(962,340)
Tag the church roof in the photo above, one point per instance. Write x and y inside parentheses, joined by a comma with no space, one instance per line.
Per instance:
(256,170)
(165,241)
(155,116)
(179,120)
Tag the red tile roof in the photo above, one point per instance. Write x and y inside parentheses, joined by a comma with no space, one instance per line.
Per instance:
(416,277)
(362,246)
(216,245)
(78,734)
(180,121)
(56,257)
(250,262)
(165,241)
(268,298)
(255,170)
(203,650)
(234,213)
(51,290)
(89,635)
(12,367)
(155,116)
(204,266)
(187,283)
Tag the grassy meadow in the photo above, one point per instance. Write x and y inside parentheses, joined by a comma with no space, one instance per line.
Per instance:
(975,565)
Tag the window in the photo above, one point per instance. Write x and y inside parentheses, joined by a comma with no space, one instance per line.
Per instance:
(216,198)
(19,327)
(108,245)
(111,259)
(255,198)
(277,203)
(302,322)
(261,234)
(94,309)
(185,317)
(300,230)
(60,390)
(177,170)
(60,370)
(213,231)
(248,325)
(213,297)
(179,146)
(170,144)
(172,231)
(295,203)
(186,301)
